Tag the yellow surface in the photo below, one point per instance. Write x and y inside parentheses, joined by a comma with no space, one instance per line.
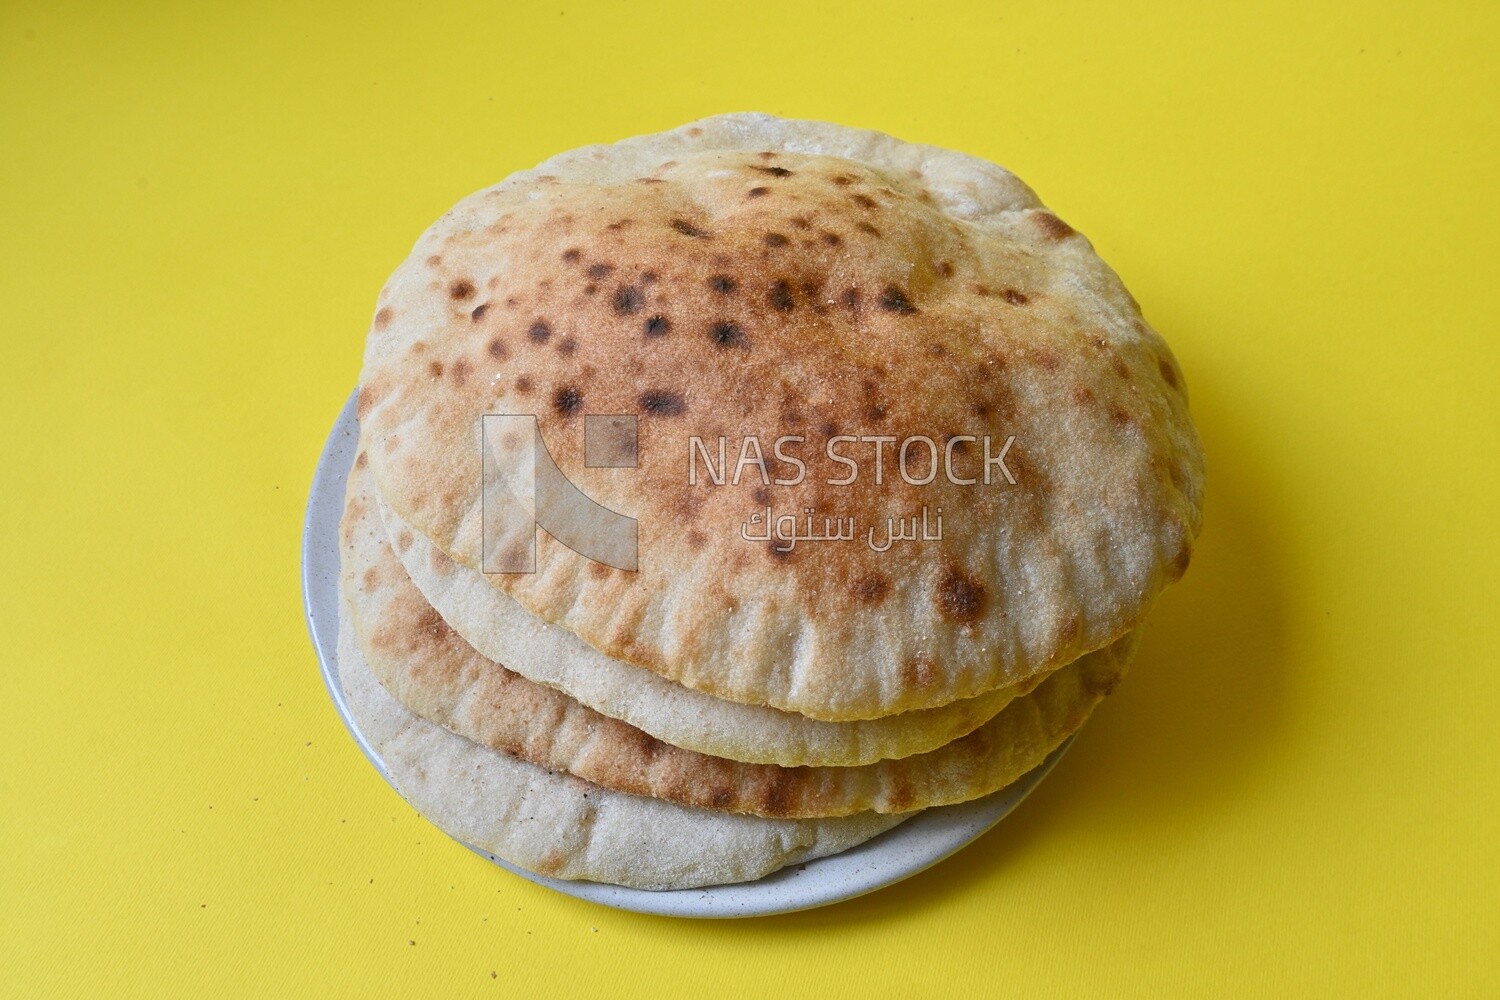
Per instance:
(1294,793)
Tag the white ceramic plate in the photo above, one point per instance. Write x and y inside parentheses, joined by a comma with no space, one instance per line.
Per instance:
(919,843)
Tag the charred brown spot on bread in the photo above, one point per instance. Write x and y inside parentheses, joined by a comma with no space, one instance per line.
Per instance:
(567,400)
(686,228)
(459,372)
(1053,227)
(900,795)
(918,671)
(1118,415)
(774,793)
(801,221)
(662,403)
(1083,395)
(539,332)
(1025,471)
(496,349)
(567,346)
(893,299)
(832,239)
(524,385)
(944,269)
(775,240)
(863,201)
(618,225)
(628,300)
(842,180)
(657,326)
(404,539)
(572,255)
(461,289)
(773,171)
(1120,367)
(478,313)
(721,797)
(850,298)
(515,554)
(781,296)
(648,747)
(757,192)
(727,334)
(761,495)
(552,862)
(872,588)
(1168,374)
(865,227)
(435,369)
(435,260)
(961,597)
(1014,297)
(599,270)
(687,506)
(366,399)
(361,460)
(383,317)
(721,283)
(429,623)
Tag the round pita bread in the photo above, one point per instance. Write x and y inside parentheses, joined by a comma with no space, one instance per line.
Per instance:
(429,667)
(751,277)
(560,826)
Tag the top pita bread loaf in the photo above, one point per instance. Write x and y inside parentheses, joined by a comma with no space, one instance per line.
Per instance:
(748,276)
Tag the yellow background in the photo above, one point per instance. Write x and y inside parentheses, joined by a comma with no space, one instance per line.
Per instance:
(1294,793)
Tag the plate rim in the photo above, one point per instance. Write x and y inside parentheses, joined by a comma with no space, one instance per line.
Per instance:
(928,838)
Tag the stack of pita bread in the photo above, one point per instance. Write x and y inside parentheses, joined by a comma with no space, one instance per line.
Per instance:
(746,697)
